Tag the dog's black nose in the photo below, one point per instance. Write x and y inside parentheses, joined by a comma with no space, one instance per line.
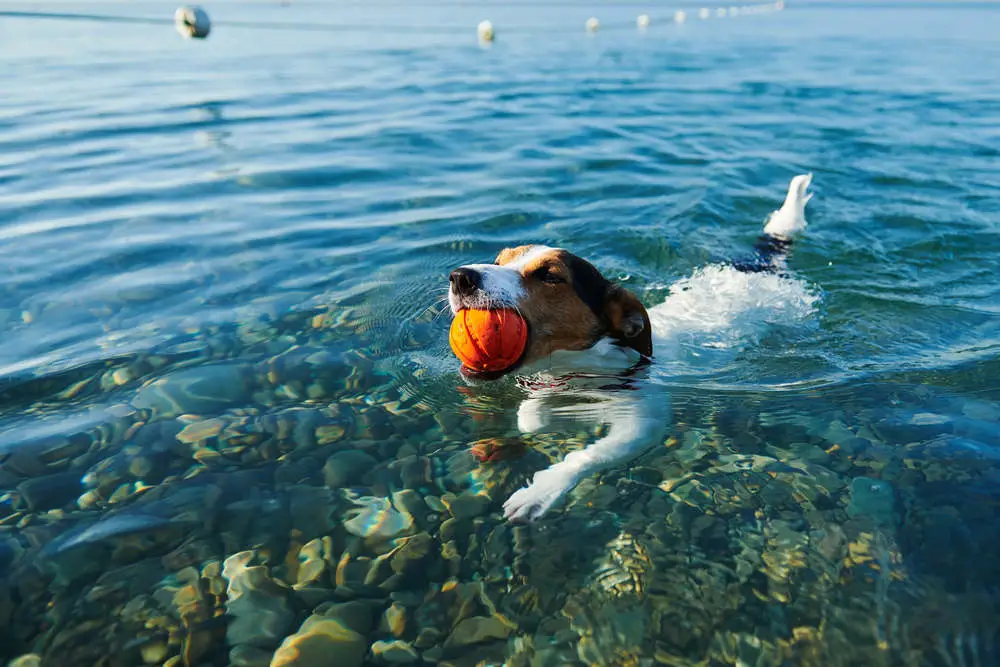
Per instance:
(465,281)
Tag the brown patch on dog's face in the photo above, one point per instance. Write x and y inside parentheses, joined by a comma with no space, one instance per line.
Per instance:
(508,255)
(569,305)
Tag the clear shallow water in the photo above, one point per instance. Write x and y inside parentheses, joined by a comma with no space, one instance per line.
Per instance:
(221,270)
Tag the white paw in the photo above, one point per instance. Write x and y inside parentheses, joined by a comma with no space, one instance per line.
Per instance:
(532,416)
(534,500)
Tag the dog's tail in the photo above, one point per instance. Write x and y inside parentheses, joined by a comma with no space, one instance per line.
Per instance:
(782,226)
(790,219)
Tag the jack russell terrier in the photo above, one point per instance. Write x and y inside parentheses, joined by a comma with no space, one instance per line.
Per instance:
(596,354)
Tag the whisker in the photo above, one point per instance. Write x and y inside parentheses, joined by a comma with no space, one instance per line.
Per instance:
(436,302)
(434,306)
(441,312)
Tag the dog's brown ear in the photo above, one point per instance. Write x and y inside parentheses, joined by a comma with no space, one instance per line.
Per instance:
(628,322)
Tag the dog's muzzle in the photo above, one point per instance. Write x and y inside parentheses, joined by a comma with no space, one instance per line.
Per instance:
(465,281)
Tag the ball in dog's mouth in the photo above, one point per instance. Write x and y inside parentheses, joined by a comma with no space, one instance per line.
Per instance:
(488,342)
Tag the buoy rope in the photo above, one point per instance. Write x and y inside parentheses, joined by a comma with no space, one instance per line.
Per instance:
(65,16)
(327,27)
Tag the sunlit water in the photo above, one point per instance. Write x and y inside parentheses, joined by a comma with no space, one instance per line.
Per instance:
(227,403)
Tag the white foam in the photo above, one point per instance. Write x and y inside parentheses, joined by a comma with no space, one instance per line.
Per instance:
(720,307)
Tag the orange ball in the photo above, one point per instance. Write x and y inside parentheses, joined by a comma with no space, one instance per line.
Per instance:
(488,340)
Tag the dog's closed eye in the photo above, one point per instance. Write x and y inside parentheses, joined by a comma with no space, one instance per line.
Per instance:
(548,275)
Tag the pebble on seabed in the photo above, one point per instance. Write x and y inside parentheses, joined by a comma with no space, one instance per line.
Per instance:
(192,22)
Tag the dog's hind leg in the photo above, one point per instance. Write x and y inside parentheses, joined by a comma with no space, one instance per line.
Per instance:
(782,227)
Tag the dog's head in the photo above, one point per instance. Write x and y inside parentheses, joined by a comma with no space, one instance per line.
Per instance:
(566,302)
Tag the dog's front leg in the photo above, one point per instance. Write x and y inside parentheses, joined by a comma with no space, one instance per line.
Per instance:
(634,426)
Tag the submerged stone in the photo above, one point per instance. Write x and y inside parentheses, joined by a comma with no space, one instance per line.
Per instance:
(200,431)
(249,656)
(312,562)
(479,629)
(347,468)
(414,471)
(376,517)
(116,525)
(27,660)
(200,390)
(357,615)
(154,652)
(872,499)
(411,553)
(329,433)
(49,444)
(50,491)
(256,604)
(395,652)
(466,505)
(913,428)
(320,642)
(394,620)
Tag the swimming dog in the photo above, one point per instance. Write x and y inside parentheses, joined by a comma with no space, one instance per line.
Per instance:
(594,341)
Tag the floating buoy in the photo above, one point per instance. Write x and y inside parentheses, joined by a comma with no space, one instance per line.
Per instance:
(721,12)
(485,31)
(779,5)
(192,22)
(734,11)
(680,16)
(593,24)
(704,13)
(642,21)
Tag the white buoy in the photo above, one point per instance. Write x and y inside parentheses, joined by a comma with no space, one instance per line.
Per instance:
(704,13)
(734,11)
(680,16)
(192,22)
(485,31)
(642,21)
(593,24)
(779,5)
